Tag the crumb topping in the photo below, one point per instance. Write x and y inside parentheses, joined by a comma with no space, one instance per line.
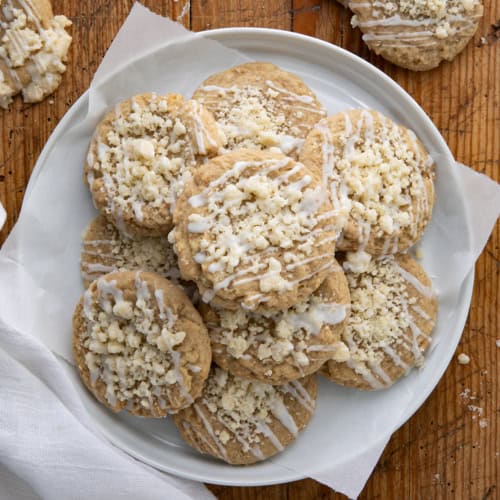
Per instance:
(247,408)
(132,346)
(438,18)
(418,9)
(114,252)
(382,320)
(253,212)
(380,172)
(147,155)
(357,262)
(279,336)
(379,305)
(260,116)
(143,156)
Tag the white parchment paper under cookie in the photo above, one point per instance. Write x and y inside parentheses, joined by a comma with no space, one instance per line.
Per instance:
(3,216)
(39,263)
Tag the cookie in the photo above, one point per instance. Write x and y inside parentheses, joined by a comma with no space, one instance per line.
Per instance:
(417,34)
(243,422)
(140,156)
(258,105)
(106,250)
(380,178)
(276,348)
(34,46)
(253,229)
(393,313)
(139,344)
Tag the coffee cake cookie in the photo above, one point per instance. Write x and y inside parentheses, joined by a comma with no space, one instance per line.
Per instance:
(106,250)
(242,421)
(139,344)
(276,348)
(254,229)
(33,48)
(393,313)
(140,156)
(380,178)
(417,34)
(258,105)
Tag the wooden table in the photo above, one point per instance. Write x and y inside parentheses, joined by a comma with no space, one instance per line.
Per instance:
(443,451)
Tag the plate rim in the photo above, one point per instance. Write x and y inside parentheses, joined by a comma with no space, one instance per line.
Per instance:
(222,34)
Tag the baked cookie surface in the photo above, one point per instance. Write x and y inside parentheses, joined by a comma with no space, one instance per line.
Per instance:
(417,34)
(106,250)
(139,344)
(276,348)
(379,176)
(393,314)
(254,229)
(34,46)
(258,105)
(243,422)
(141,155)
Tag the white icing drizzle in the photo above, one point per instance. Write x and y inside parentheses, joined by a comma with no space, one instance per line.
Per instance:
(407,338)
(210,430)
(275,338)
(147,157)
(396,358)
(114,252)
(129,332)
(394,25)
(375,179)
(188,428)
(300,394)
(249,428)
(290,96)
(421,312)
(426,291)
(201,132)
(261,114)
(316,316)
(259,263)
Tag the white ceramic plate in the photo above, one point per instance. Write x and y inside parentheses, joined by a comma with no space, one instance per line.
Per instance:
(347,422)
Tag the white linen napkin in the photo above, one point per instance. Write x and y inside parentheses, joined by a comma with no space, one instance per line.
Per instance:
(48,447)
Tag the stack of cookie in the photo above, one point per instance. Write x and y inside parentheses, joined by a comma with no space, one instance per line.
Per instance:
(245,228)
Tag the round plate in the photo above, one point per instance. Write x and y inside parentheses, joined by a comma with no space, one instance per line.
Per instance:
(347,423)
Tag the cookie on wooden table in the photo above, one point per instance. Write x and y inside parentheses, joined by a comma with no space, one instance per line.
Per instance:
(276,348)
(393,314)
(139,344)
(34,46)
(417,34)
(242,421)
(254,229)
(380,178)
(258,105)
(140,156)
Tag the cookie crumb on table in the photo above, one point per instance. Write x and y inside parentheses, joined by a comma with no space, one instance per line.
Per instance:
(483,423)
(463,359)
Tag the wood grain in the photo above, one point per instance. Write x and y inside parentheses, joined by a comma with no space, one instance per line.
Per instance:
(442,452)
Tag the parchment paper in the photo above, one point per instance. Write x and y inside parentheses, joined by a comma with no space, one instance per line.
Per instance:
(39,263)
(3,216)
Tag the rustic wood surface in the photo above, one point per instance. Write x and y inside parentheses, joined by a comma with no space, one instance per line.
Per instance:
(447,450)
